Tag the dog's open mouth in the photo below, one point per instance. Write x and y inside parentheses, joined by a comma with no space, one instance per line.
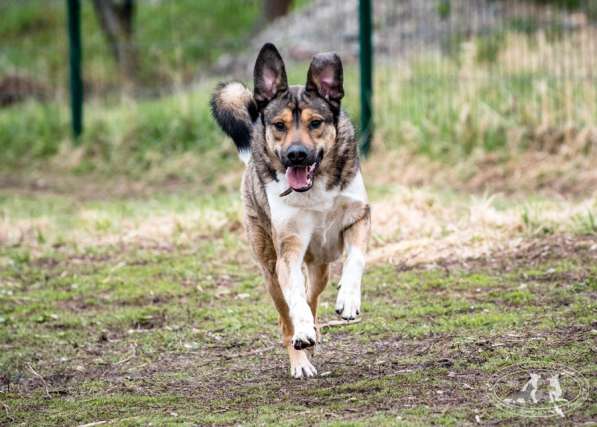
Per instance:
(300,178)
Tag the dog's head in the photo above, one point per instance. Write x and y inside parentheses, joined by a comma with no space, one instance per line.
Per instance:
(300,123)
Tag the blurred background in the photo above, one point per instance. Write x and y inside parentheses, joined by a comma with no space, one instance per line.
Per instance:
(127,289)
(454,80)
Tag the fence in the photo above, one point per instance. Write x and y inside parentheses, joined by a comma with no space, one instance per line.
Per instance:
(484,74)
(434,60)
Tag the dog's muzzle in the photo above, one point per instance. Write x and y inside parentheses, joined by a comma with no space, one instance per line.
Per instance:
(301,164)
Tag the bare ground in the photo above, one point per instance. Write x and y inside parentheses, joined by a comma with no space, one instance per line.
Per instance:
(366,370)
(145,307)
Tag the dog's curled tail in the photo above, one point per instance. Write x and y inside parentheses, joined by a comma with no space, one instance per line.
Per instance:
(234,109)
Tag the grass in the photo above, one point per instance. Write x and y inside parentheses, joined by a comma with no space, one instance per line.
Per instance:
(449,109)
(128,294)
(175,40)
(150,310)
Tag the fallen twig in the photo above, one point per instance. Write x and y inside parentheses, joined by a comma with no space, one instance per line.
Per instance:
(7,412)
(251,352)
(96,423)
(34,372)
(133,355)
(120,362)
(332,323)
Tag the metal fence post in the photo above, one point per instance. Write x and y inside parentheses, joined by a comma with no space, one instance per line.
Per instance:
(366,72)
(75,55)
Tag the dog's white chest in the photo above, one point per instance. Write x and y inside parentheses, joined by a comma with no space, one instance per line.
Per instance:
(317,215)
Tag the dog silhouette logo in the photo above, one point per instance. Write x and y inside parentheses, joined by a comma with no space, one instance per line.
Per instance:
(534,390)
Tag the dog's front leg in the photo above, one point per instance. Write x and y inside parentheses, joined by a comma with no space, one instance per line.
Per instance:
(291,249)
(348,302)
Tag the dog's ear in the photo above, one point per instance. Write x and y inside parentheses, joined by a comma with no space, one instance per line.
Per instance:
(269,75)
(325,78)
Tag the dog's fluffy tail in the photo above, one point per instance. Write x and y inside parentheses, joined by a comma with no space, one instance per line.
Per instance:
(234,109)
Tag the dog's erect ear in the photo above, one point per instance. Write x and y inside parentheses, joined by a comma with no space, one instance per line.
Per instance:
(325,77)
(269,75)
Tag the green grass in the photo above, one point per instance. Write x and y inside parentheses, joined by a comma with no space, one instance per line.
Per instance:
(450,118)
(588,6)
(129,138)
(175,39)
(128,325)
(128,295)
(126,138)
(431,114)
(471,103)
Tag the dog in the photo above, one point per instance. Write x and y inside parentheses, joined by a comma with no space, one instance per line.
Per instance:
(304,198)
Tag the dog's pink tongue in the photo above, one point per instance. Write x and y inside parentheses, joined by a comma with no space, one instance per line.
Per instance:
(297,177)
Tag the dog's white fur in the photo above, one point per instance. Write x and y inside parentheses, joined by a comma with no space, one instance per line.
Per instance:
(310,212)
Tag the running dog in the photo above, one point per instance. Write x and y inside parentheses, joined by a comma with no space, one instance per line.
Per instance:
(304,198)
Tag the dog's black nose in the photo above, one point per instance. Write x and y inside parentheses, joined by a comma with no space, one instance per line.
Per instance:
(297,154)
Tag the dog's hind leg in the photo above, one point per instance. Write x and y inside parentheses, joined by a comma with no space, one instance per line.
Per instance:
(318,279)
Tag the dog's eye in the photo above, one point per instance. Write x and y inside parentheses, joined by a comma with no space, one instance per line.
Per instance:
(280,126)
(315,124)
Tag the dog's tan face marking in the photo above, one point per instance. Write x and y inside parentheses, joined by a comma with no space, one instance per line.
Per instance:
(283,131)
(322,133)
(311,130)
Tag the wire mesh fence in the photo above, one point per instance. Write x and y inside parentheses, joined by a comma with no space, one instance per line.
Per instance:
(487,74)
(175,43)
(435,60)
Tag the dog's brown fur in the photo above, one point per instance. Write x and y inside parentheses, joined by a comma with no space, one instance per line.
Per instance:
(266,123)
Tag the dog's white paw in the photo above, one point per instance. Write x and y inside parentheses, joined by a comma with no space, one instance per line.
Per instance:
(348,302)
(304,335)
(300,366)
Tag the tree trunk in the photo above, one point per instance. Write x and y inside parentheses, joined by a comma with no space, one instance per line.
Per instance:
(273,9)
(116,21)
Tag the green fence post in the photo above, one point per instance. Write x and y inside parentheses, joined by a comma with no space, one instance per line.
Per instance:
(75,55)
(366,65)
